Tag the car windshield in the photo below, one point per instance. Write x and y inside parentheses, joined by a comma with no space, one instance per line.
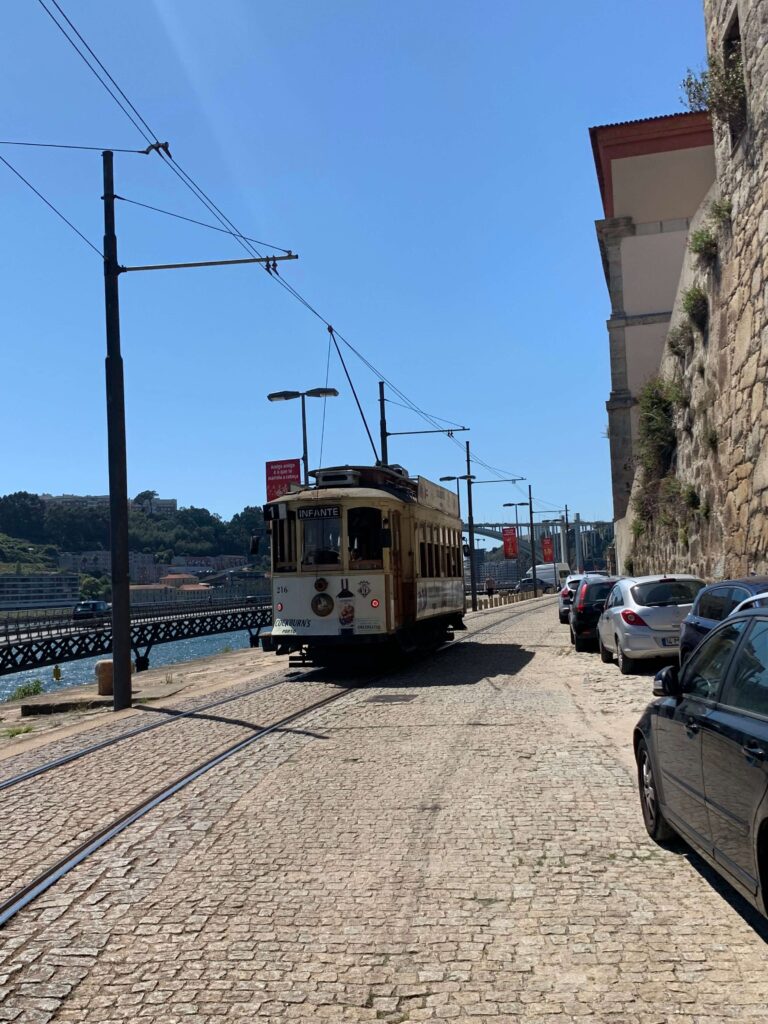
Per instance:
(665,592)
(598,591)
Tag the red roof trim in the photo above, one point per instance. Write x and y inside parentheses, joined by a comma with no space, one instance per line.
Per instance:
(663,134)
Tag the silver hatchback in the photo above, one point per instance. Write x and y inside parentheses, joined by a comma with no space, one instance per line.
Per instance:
(642,617)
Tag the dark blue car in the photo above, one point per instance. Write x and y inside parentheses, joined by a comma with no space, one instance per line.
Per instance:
(702,753)
(713,604)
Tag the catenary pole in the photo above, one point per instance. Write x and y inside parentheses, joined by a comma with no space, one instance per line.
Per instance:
(118,482)
(305,453)
(471,525)
(533,542)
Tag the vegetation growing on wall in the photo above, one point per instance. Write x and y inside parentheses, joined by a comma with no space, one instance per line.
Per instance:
(704,246)
(721,211)
(719,89)
(696,306)
(680,339)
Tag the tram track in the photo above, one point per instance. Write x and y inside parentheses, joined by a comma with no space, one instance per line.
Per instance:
(63,860)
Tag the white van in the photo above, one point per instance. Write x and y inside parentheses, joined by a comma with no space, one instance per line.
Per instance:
(546,573)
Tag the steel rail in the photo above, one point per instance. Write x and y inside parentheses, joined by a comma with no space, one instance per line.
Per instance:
(175,716)
(48,878)
(23,897)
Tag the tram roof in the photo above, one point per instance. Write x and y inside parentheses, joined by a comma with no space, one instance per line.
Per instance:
(324,494)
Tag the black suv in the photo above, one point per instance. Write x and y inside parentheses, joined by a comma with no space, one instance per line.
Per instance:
(587,607)
(713,604)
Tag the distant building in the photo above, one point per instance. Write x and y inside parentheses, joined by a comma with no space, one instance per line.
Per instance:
(95,501)
(141,566)
(653,174)
(38,590)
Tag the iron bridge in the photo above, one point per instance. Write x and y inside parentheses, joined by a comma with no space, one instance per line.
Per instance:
(52,640)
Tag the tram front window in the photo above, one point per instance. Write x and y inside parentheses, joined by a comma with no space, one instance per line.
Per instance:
(322,542)
(364,538)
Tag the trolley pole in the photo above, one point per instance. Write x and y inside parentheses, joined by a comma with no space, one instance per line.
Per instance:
(471,525)
(383,425)
(533,542)
(305,453)
(118,482)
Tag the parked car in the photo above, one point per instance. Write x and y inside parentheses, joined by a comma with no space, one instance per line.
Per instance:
(565,596)
(713,604)
(587,606)
(525,586)
(642,618)
(702,753)
(91,610)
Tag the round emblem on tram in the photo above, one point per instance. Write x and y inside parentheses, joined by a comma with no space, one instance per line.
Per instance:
(322,604)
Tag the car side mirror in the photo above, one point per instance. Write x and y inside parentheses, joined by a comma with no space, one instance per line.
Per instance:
(666,682)
(466,550)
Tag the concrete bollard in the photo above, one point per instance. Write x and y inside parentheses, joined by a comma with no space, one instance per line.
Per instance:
(104,677)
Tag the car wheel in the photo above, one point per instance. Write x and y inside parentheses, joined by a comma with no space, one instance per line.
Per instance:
(626,665)
(580,644)
(656,824)
(563,619)
(605,655)
(573,636)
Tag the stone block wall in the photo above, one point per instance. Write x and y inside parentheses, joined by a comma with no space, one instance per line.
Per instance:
(721,414)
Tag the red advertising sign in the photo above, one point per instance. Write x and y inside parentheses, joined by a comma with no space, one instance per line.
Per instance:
(547,549)
(280,476)
(509,537)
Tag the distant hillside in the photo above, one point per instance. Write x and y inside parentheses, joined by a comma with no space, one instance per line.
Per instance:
(46,527)
(20,556)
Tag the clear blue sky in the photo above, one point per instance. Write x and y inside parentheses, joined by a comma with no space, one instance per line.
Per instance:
(430,162)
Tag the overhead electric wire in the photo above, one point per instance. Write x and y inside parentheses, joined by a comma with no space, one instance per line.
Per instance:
(49,204)
(65,145)
(152,140)
(201,223)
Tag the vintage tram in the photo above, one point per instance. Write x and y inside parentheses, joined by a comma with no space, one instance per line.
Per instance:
(366,558)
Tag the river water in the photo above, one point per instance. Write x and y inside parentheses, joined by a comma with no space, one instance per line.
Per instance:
(75,673)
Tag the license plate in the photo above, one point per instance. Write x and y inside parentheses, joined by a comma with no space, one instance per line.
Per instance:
(670,641)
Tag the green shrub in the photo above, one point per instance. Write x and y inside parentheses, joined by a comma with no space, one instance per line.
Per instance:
(30,689)
(682,536)
(638,528)
(680,339)
(721,211)
(691,497)
(656,433)
(721,90)
(696,306)
(704,246)
(17,730)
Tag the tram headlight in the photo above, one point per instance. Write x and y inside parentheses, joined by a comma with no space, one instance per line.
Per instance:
(375,602)
(279,606)
(321,585)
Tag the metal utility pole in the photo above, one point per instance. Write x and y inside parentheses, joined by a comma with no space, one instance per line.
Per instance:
(533,542)
(567,540)
(118,477)
(383,425)
(471,526)
(577,539)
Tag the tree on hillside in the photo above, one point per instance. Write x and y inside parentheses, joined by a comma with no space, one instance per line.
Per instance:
(22,515)
(145,499)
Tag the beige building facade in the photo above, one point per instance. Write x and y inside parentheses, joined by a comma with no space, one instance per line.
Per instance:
(653,174)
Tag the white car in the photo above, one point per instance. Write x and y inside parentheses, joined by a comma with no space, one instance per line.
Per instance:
(565,596)
(642,617)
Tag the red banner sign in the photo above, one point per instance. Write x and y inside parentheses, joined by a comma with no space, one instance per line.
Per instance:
(280,476)
(548,549)
(509,537)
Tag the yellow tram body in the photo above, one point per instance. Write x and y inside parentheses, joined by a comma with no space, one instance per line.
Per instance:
(366,556)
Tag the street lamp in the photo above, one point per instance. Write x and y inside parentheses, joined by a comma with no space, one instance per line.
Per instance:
(516,505)
(287,396)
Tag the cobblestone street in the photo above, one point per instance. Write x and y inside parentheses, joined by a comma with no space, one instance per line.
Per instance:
(461,840)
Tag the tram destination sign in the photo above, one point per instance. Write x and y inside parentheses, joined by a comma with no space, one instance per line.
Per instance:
(320,512)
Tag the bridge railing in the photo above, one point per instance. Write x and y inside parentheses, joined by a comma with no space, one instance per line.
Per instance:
(29,626)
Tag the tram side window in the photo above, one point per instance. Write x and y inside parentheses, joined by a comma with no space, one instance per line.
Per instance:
(322,542)
(364,538)
(284,544)
(422,552)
